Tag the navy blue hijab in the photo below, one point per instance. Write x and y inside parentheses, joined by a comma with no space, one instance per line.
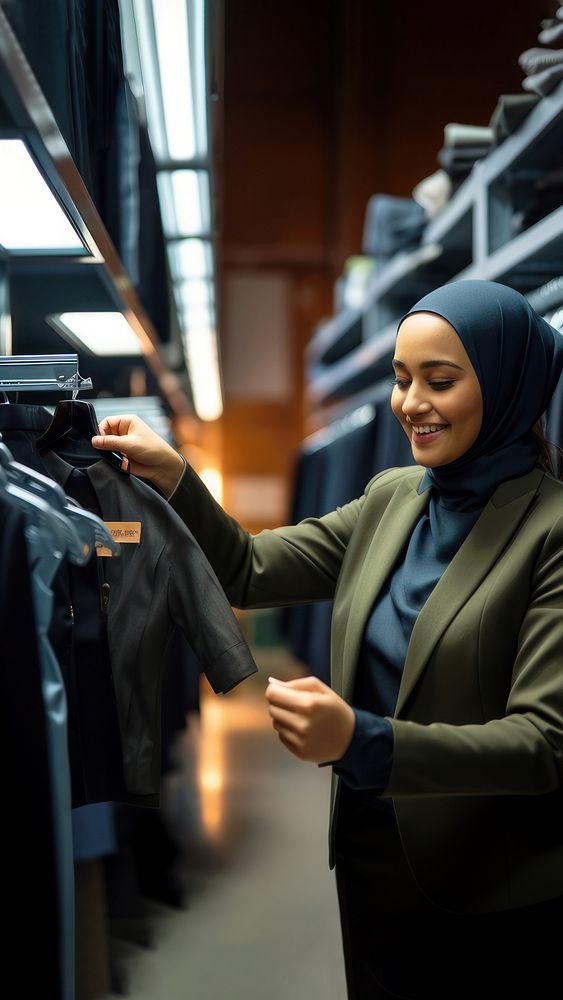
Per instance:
(518,359)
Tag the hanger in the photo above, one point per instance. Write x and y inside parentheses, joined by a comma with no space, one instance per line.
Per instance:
(77,416)
(46,532)
(82,529)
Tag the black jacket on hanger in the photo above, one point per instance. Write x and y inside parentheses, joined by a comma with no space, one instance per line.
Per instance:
(159,583)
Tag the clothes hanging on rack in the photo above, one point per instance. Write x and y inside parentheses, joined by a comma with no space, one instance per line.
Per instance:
(162,581)
(53,532)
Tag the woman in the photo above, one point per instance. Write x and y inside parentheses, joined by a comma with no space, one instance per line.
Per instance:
(444,722)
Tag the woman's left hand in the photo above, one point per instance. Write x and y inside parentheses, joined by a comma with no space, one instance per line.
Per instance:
(311,720)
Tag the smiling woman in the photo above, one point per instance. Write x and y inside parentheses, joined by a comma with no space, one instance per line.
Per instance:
(443,723)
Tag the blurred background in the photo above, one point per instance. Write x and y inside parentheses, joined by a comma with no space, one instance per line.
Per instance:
(224,207)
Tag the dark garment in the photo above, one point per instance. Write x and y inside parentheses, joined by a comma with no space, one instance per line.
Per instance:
(398,944)
(534,60)
(510,112)
(458,162)
(121,209)
(180,694)
(306,503)
(545,80)
(99,50)
(162,582)
(29,886)
(551,34)
(554,422)
(44,29)
(153,286)
(81,83)
(80,639)
(392,224)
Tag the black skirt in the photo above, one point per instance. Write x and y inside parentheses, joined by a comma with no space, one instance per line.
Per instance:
(398,944)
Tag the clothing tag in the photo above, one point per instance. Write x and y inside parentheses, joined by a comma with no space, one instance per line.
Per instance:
(125,532)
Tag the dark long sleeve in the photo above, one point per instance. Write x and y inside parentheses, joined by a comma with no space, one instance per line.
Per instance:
(368,760)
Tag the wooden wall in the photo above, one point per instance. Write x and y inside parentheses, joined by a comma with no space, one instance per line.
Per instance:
(325,103)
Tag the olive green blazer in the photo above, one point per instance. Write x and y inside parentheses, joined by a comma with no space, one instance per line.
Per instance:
(477,775)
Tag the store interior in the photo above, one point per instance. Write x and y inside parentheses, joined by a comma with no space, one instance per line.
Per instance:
(217,212)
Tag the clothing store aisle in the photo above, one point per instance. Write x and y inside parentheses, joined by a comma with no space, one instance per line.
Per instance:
(261,921)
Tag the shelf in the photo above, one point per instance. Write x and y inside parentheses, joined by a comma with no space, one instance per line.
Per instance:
(360,368)
(343,333)
(529,259)
(401,266)
(335,337)
(547,113)
(102,274)
(470,238)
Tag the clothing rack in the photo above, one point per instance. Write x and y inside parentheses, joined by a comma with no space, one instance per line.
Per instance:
(44,372)
(357,417)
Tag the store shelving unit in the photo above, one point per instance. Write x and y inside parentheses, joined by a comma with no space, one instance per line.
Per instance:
(472,237)
(97,277)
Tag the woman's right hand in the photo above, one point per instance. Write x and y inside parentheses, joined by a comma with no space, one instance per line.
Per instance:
(149,455)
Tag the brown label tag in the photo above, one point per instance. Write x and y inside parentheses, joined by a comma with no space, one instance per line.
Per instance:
(124,532)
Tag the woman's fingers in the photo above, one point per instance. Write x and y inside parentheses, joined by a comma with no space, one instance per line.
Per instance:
(110,442)
(304,684)
(291,742)
(117,425)
(125,433)
(285,697)
(286,720)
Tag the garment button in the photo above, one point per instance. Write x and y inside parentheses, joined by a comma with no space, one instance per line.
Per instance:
(105,596)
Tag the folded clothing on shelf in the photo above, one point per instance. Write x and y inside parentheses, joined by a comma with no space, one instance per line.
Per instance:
(537,59)
(457,135)
(463,146)
(433,192)
(544,82)
(459,162)
(509,113)
(392,224)
(549,296)
(552,32)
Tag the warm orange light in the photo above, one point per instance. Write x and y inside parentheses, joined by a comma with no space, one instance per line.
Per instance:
(211,771)
(222,719)
(214,482)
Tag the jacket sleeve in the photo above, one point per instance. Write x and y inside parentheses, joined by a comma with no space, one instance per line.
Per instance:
(290,565)
(521,753)
(197,603)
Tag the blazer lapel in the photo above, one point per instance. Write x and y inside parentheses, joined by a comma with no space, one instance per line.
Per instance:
(481,549)
(395,527)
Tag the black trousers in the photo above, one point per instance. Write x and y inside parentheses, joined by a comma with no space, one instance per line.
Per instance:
(398,944)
